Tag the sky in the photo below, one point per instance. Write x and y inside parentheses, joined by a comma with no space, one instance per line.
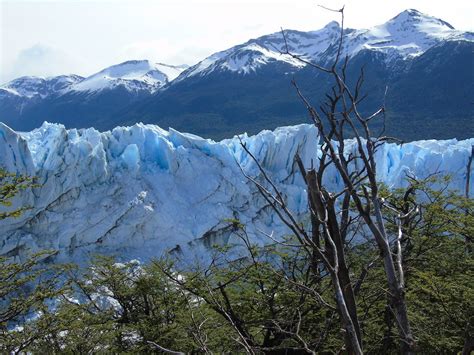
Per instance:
(52,37)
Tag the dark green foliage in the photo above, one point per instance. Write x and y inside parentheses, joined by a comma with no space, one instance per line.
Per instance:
(273,299)
(10,185)
(26,287)
(117,308)
(438,272)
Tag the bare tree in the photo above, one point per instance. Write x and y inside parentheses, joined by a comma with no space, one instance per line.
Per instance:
(337,119)
(325,228)
(468,172)
(467,194)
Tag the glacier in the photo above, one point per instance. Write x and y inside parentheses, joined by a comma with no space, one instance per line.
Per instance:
(138,192)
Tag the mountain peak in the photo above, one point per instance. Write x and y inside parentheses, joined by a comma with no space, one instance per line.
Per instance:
(410,14)
(415,17)
(129,68)
(134,75)
(333,25)
(413,12)
(407,35)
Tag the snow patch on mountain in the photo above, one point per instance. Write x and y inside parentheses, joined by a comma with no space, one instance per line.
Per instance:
(171,71)
(140,191)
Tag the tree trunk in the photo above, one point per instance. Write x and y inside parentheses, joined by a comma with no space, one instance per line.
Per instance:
(327,208)
(343,271)
(397,293)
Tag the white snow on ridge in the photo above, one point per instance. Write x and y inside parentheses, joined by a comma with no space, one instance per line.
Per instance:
(139,191)
(251,57)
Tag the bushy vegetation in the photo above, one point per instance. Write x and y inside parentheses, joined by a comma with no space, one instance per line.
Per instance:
(272,300)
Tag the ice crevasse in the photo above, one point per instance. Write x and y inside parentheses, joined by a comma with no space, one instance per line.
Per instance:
(141,191)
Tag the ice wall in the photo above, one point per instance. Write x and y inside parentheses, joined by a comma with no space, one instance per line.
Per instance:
(139,191)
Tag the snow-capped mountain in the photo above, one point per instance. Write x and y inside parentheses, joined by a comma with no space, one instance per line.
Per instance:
(30,87)
(134,75)
(405,36)
(139,191)
(250,56)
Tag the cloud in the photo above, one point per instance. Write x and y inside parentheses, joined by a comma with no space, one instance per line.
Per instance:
(41,60)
